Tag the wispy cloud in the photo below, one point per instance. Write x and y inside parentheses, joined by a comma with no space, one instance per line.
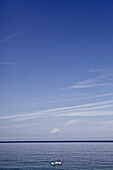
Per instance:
(74,98)
(81,106)
(100,95)
(16,126)
(90,109)
(101,107)
(105,122)
(102,70)
(8,63)
(21,116)
(95,70)
(82,86)
(5,39)
(24,118)
(73,122)
(91,82)
(86,113)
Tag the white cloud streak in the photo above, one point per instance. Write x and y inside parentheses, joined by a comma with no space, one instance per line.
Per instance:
(8,63)
(85,96)
(5,39)
(16,126)
(81,86)
(89,83)
(106,122)
(88,113)
(22,116)
(25,118)
(80,106)
(90,109)
(100,95)
(73,122)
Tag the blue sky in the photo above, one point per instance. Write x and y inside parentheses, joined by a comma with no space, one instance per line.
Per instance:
(56,69)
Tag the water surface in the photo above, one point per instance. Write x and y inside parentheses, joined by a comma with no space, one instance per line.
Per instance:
(74,156)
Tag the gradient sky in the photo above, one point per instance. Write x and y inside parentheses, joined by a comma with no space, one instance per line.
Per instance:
(56,69)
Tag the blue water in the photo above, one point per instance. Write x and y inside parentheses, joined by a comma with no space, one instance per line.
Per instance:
(74,156)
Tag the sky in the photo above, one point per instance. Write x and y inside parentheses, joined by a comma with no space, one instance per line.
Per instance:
(56,69)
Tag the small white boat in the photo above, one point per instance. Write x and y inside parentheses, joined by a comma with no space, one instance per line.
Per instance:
(56,163)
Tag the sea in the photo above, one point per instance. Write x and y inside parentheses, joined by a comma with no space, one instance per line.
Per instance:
(74,156)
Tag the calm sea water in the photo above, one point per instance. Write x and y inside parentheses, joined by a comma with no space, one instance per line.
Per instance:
(74,156)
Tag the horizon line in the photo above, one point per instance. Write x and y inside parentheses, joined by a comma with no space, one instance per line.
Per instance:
(58,141)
